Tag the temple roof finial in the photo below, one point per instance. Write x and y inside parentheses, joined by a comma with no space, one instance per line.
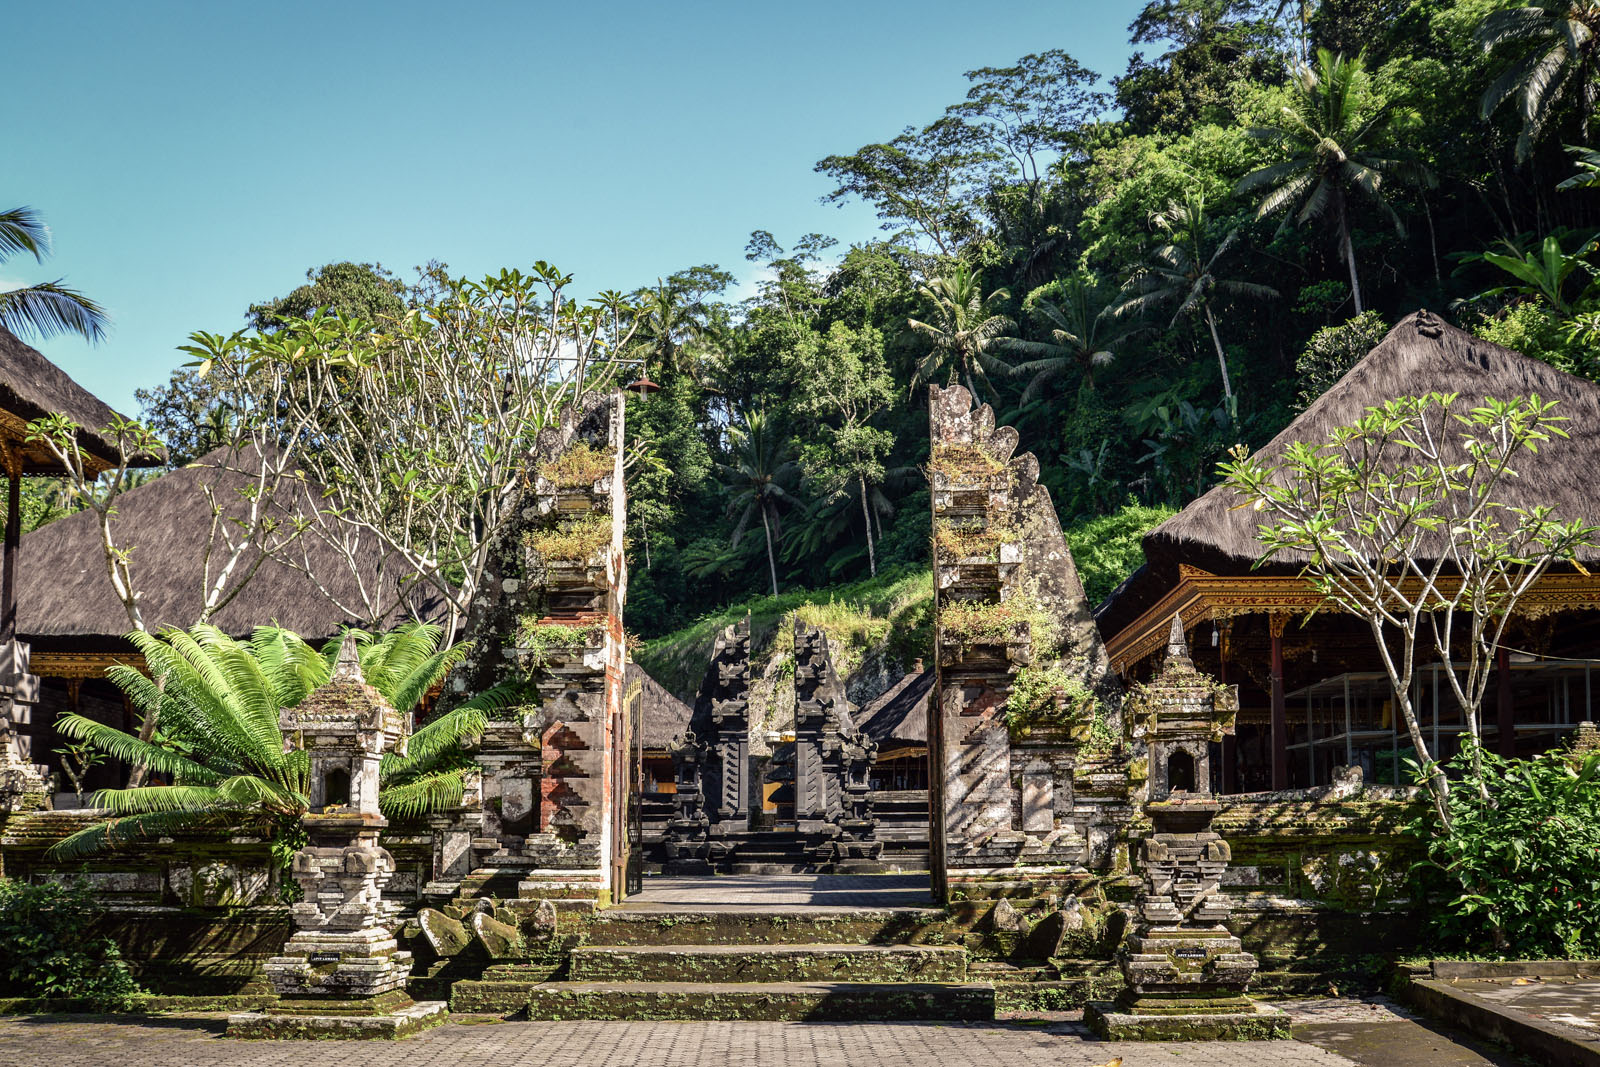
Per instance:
(1177,646)
(347,668)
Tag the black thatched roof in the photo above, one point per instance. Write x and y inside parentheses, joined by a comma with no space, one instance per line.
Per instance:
(64,598)
(1420,355)
(899,718)
(32,387)
(662,715)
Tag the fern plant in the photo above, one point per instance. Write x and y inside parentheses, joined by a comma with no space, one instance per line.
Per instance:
(219,746)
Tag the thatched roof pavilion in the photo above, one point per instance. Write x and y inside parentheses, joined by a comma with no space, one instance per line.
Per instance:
(662,716)
(75,621)
(898,719)
(32,387)
(1200,564)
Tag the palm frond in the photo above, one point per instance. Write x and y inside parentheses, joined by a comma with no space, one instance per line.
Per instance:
(129,749)
(49,309)
(439,791)
(22,230)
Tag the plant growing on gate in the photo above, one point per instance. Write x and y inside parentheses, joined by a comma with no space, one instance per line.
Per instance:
(1403,521)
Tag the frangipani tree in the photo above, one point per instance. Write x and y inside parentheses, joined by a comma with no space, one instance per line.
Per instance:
(1405,520)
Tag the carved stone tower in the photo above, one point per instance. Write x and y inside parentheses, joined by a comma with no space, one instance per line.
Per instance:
(832,760)
(1186,973)
(712,759)
(341,972)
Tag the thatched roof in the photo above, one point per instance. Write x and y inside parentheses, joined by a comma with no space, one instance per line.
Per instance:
(64,598)
(32,387)
(662,715)
(899,717)
(1420,355)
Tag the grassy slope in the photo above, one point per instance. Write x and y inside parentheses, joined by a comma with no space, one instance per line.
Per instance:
(892,609)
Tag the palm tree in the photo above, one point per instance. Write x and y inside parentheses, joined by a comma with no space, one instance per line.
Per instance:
(762,463)
(967,329)
(667,325)
(1335,132)
(1183,271)
(1558,45)
(1083,330)
(218,700)
(49,308)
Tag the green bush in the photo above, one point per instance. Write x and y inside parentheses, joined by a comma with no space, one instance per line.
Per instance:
(48,947)
(1522,857)
(1333,350)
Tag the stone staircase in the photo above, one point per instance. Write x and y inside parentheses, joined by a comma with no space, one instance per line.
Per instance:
(741,963)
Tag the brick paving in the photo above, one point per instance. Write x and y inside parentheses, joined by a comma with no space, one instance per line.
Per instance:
(79,1041)
(788,891)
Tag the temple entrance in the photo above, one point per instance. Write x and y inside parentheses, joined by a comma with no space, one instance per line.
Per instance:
(715,806)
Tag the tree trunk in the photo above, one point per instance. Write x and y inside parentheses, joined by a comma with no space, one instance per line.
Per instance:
(772,566)
(1222,361)
(1349,256)
(866,516)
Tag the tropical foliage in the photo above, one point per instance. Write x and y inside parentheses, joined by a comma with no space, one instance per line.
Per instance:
(220,752)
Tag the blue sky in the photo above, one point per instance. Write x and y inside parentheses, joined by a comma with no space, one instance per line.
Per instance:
(193,158)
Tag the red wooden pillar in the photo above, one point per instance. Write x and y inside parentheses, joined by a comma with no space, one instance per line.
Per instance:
(1280,713)
(1230,740)
(1504,712)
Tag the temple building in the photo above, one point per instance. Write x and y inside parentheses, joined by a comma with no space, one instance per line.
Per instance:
(1313,692)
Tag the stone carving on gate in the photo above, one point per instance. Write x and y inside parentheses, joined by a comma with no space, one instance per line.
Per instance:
(711,760)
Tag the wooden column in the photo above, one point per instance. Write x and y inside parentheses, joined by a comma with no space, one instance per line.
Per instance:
(1504,713)
(1230,740)
(8,585)
(1280,714)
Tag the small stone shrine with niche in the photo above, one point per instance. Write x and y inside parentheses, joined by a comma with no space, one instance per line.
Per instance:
(711,761)
(24,785)
(1186,973)
(832,762)
(342,974)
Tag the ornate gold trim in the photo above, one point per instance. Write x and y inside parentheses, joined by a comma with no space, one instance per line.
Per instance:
(1200,596)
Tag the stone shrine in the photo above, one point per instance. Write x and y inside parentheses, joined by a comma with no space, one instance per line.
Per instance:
(24,785)
(1186,973)
(832,761)
(711,761)
(342,974)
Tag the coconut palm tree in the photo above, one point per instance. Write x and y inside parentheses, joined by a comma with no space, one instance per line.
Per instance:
(1182,271)
(48,308)
(762,464)
(967,328)
(1557,61)
(1336,132)
(1083,331)
(668,324)
(218,701)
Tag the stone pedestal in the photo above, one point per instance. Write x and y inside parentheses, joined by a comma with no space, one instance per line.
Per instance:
(1186,973)
(341,974)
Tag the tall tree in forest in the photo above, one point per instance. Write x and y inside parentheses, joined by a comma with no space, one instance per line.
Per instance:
(1182,271)
(45,309)
(360,290)
(1082,328)
(967,327)
(761,467)
(1337,132)
(841,379)
(1557,62)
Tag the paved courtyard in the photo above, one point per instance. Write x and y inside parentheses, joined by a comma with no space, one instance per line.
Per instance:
(790,892)
(1372,1034)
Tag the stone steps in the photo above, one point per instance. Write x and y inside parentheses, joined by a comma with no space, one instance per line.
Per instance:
(818,1001)
(769,963)
(669,926)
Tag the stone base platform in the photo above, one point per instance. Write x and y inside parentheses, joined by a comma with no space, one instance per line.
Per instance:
(1261,1022)
(402,1022)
